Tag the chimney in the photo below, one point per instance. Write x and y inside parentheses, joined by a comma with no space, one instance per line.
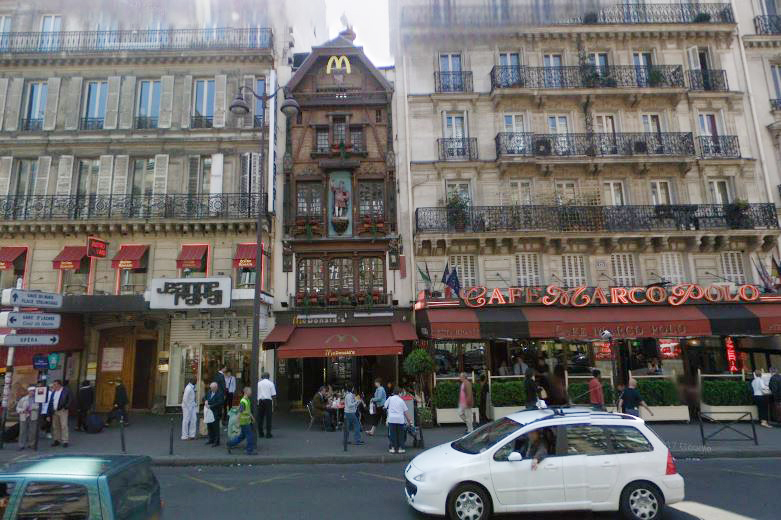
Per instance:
(348,34)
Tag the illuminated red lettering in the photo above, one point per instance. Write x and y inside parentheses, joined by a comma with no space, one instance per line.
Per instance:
(656,294)
(600,296)
(496,297)
(533,295)
(513,293)
(679,295)
(728,296)
(749,293)
(618,295)
(474,296)
(713,294)
(580,298)
(633,295)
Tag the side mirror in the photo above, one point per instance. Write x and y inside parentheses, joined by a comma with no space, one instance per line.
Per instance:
(515,457)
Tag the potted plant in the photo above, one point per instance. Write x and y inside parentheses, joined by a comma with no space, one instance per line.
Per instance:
(445,400)
(661,396)
(702,18)
(656,78)
(419,365)
(457,207)
(590,18)
(738,215)
(726,395)
(506,397)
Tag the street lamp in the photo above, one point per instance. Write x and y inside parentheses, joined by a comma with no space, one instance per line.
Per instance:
(240,107)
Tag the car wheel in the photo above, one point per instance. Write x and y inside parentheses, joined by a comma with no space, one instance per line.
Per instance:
(641,501)
(469,502)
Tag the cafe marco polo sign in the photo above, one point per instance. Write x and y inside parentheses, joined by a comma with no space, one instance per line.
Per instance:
(554,295)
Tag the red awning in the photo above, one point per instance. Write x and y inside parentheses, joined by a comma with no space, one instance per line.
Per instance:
(245,255)
(404,331)
(70,257)
(129,257)
(279,334)
(376,340)
(635,322)
(8,256)
(451,324)
(191,256)
(769,315)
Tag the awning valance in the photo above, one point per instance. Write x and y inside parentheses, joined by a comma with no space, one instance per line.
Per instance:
(129,257)
(374,340)
(70,257)
(279,334)
(404,331)
(191,256)
(245,255)
(8,256)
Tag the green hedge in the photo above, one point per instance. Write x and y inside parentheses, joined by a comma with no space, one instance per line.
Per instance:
(508,393)
(578,393)
(726,393)
(446,394)
(660,392)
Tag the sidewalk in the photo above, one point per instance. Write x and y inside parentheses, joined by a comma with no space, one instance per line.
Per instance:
(293,444)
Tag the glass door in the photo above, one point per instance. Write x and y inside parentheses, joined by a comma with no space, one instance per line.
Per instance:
(605,130)
(450,76)
(643,61)
(558,127)
(455,133)
(552,71)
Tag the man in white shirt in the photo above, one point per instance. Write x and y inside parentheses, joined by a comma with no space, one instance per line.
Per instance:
(189,412)
(266,392)
(230,391)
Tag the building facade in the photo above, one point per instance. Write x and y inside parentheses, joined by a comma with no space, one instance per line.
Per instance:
(115,123)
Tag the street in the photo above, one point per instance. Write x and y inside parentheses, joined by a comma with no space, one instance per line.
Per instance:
(717,489)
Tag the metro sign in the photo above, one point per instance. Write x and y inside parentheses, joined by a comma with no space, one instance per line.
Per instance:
(97,248)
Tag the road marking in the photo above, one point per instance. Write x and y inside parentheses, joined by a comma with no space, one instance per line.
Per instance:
(704,511)
(377,475)
(751,473)
(210,484)
(272,479)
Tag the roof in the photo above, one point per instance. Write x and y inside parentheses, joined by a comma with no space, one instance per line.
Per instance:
(72,465)
(565,412)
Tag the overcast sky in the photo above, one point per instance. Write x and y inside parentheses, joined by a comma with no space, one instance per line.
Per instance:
(369,19)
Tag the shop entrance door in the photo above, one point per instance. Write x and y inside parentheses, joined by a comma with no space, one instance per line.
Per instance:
(115,361)
(143,373)
(233,356)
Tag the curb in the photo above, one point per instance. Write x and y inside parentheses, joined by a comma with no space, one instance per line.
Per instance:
(256,460)
(707,452)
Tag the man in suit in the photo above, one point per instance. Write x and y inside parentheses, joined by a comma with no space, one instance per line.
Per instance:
(58,411)
(86,400)
(320,409)
(215,399)
(219,378)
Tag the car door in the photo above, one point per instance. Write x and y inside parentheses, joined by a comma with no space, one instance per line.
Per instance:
(591,469)
(509,477)
(10,489)
(544,488)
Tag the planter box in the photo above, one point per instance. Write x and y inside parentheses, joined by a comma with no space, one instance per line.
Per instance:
(729,413)
(497,412)
(450,416)
(666,413)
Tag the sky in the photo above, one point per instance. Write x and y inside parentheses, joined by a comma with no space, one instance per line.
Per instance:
(369,19)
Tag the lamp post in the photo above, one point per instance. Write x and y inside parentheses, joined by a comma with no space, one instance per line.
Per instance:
(240,107)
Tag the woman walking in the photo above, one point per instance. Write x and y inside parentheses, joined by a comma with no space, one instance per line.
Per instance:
(397,418)
(376,405)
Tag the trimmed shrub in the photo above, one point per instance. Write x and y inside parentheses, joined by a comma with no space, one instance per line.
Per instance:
(726,393)
(578,393)
(508,393)
(659,392)
(446,394)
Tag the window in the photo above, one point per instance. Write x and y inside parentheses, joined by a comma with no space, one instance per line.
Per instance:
(671,266)
(260,89)
(775,72)
(26,171)
(132,281)
(622,266)
(5,29)
(371,275)
(709,126)
(732,267)
(513,123)
(340,275)
(548,438)
(378,116)
(199,176)
(340,129)
(627,439)
(552,71)
(9,276)
(605,124)
(521,192)
(613,193)
(661,194)
(769,7)
(34,106)
(148,104)
(527,270)
(509,59)
(559,126)
(51,25)
(566,192)
(466,267)
(203,108)
(652,123)
(74,281)
(143,177)
(321,140)
(458,189)
(246,277)
(573,270)
(309,277)
(720,191)
(94,105)
(599,61)
(450,77)
(484,438)
(309,199)
(54,500)
(586,439)
(456,146)
(356,139)
(132,490)
(87,183)
(371,198)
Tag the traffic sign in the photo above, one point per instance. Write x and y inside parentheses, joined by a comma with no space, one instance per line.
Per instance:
(25,340)
(29,320)
(20,298)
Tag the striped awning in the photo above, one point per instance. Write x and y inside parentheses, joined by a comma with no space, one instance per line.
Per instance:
(245,255)
(8,256)
(70,257)
(191,256)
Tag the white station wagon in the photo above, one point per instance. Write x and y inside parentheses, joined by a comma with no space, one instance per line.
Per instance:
(555,459)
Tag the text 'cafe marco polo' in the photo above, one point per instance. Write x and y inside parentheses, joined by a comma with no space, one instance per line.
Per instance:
(682,328)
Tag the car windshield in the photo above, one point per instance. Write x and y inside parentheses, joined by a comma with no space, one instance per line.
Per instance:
(486,436)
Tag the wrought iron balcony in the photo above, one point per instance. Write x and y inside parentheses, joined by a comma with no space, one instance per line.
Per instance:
(146,122)
(457,149)
(588,76)
(775,104)
(672,144)
(129,207)
(769,24)
(361,297)
(31,125)
(257,121)
(710,80)
(678,217)
(719,147)
(680,13)
(91,123)
(224,38)
(201,121)
(453,81)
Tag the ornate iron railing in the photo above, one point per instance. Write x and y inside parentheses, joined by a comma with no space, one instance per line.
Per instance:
(453,81)
(588,76)
(136,40)
(678,217)
(91,123)
(712,80)
(775,104)
(768,24)
(146,122)
(457,149)
(364,297)
(596,144)
(201,121)
(257,121)
(687,13)
(719,147)
(30,125)
(133,207)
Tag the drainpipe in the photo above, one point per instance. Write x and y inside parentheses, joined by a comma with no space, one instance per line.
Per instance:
(407,159)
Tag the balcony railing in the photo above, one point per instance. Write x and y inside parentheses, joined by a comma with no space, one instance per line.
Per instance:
(457,149)
(679,217)
(453,81)
(257,121)
(123,207)
(775,104)
(146,122)
(719,147)
(31,125)
(711,80)
(519,12)
(201,121)
(769,24)
(675,144)
(588,76)
(91,123)
(136,40)
(341,298)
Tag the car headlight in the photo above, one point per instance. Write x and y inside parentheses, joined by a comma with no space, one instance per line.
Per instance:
(419,478)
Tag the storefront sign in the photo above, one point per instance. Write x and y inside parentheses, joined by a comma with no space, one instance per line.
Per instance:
(338,353)
(40,362)
(225,328)
(624,330)
(732,356)
(190,293)
(112,359)
(316,319)
(97,248)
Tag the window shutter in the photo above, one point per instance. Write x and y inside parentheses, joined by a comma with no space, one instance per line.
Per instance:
(112,103)
(64,175)
(220,88)
(672,267)
(160,184)
(5,174)
(73,104)
(187,101)
(14,104)
(248,121)
(41,186)
(623,269)
(466,267)
(693,55)
(257,168)
(52,98)
(573,270)
(215,179)
(121,163)
(3,92)
(732,267)
(126,102)
(527,269)
(244,167)
(105,172)
(166,102)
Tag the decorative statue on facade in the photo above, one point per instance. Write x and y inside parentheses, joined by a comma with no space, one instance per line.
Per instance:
(340,217)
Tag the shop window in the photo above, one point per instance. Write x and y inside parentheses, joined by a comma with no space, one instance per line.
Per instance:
(371,199)
(622,267)
(466,267)
(246,278)
(573,270)
(356,139)
(527,269)
(452,358)
(371,275)
(54,500)
(321,140)
(340,275)
(198,271)
(309,277)
(74,281)
(671,265)
(732,267)
(309,199)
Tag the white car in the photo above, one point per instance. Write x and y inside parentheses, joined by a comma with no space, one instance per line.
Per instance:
(555,459)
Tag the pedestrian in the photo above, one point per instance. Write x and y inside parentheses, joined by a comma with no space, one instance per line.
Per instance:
(483,403)
(376,405)
(230,391)
(596,395)
(465,402)
(266,393)
(219,378)
(58,411)
(530,386)
(761,393)
(631,401)
(519,367)
(46,423)
(620,387)
(120,404)
(28,419)
(503,370)
(397,418)
(558,387)
(189,411)
(86,397)
(775,392)
(245,423)
(320,408)
(351,414)
(214,400)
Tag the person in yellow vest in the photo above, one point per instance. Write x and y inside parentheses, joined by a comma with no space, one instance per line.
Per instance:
(246,421)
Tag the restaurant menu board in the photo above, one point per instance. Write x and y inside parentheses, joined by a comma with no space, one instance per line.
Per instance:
(112,359)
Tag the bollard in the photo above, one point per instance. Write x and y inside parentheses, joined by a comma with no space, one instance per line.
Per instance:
(171,439)
(344,429)
(122,433)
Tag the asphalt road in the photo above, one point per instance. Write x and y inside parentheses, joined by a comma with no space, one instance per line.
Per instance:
(716,489)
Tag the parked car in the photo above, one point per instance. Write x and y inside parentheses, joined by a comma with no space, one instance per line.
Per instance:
(80,487)
(555,459)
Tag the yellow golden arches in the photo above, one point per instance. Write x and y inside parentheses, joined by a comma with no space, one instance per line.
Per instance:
(337,62)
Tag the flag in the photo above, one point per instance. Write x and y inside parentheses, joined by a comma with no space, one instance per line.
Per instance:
(776,267)
(453,283)
(445,274)
(426,277)
(763,274)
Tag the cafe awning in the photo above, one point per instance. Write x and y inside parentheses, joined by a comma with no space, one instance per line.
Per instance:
(633,322)
(245,255)
(129,257)
(70,257)
(404,331)
(373,340)
(279,334)
(8,256)
(191,256)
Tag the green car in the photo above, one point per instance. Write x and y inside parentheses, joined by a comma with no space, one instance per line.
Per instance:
(114,487)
